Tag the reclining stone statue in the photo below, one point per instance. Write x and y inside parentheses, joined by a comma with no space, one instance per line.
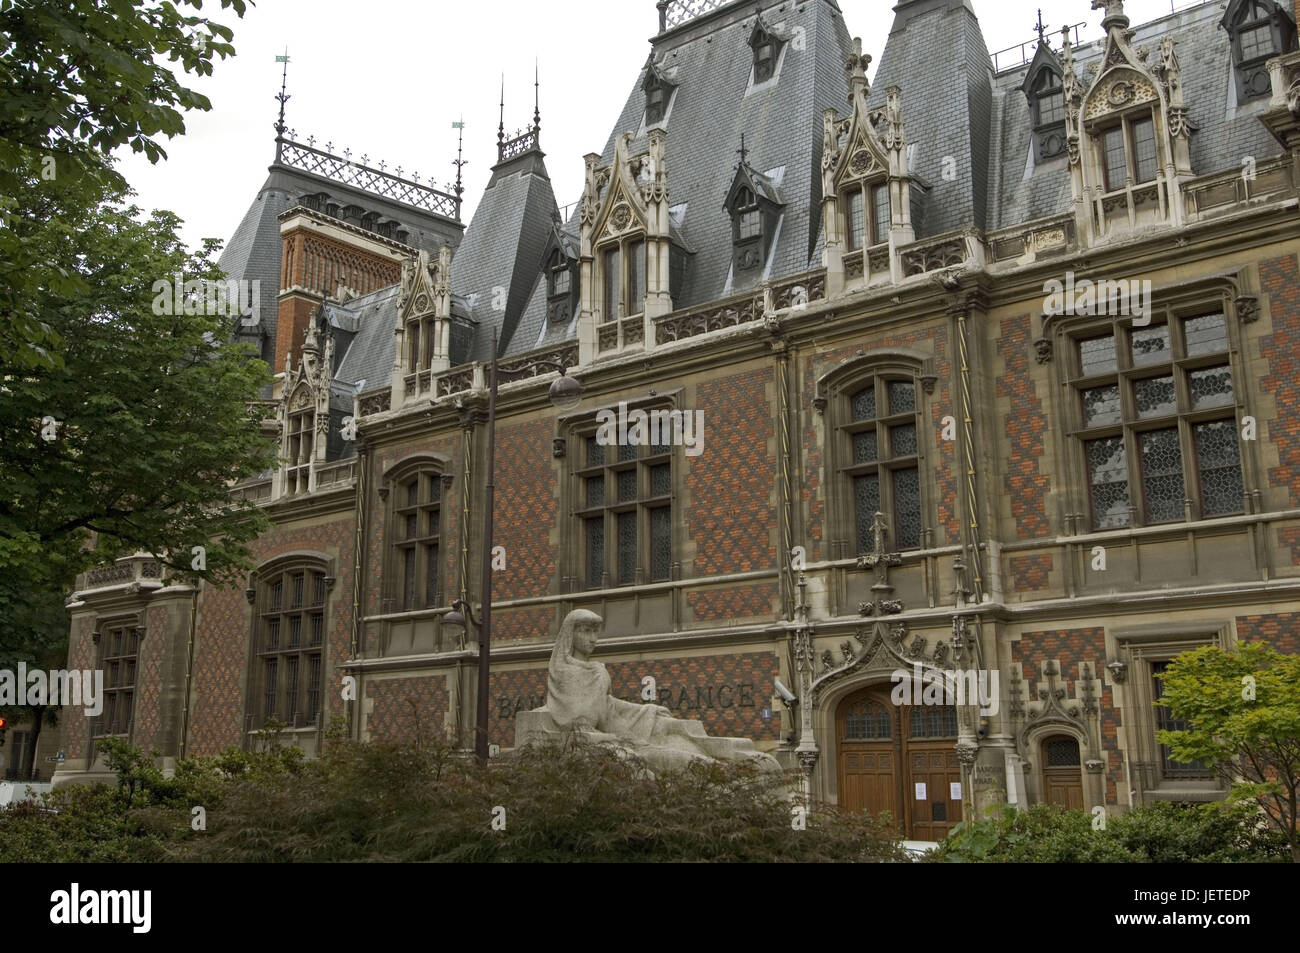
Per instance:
(578,700)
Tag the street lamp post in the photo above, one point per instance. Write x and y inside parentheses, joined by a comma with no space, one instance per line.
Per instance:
(565,394)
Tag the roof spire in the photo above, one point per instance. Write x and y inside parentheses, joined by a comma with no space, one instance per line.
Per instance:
(742,151)
(282,98)
(537,96)
(460,163)
(501,127)
(1042,30)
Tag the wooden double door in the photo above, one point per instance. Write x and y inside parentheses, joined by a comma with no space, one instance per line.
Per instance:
(900,759)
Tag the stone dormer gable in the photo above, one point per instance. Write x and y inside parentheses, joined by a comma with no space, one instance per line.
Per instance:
(304,410)
(1128,132)
(1044,89)
(866,184)
(423,330)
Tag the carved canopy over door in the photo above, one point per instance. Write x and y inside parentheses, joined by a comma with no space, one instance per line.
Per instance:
(899,759)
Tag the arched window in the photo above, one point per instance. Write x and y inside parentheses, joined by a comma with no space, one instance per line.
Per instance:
(880,438)
(414,569)
(868,720)
(289,640)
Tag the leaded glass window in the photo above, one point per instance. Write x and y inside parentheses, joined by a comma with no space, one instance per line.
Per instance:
(1165,721)
(882,445)
(1260,30)
(1060,752)
(625,498)
(933,722)
(1157,421)
(417,533)
(289,643)
(868,721)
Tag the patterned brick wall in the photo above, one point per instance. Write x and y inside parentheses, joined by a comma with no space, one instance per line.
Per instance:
(1071,648)
(221,655)
(75,721)
(148,679)
(1281,349)
(732,482)
(739,602)
(726,692)
(1026,485)
(1030,573)
(940,453)
(1282,631)
(1290,537)
(516,625)
(406,707)
(525,510)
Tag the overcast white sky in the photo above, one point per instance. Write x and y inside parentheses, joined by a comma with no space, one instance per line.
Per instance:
(388,77)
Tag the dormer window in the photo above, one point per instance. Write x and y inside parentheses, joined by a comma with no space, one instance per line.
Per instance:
(623,271)
(767,50)
(1045,91)
(1129,145)
(658,95)
(860,230)
(559,287)
(1260,30)
(754,204)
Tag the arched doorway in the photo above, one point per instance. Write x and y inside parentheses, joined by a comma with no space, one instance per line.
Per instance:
(899,759)
(1062,777)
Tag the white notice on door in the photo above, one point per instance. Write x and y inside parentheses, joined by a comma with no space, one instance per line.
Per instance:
(920,792)
(954,791)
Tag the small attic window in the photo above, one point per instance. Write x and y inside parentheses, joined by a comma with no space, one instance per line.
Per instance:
(1260,30)
(767,49)
(658,95)
(1047,102)
(753,222)
(559,287)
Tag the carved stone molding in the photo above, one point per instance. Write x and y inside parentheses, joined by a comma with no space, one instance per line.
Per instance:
(1247,308)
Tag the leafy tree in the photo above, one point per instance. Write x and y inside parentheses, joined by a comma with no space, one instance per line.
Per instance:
(1242,710)
(137,437)
(82,78)
(36,634)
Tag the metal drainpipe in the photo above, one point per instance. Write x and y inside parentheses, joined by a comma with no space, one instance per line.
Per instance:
(189,673)
(358,550)
(787,531)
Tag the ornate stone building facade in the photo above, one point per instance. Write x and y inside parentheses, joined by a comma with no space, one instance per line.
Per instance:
(997,375)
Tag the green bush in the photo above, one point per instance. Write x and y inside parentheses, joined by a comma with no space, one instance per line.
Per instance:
(1157,833)
(426,802)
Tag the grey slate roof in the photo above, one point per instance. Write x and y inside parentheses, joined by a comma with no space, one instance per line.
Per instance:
(1226,131)
(936,55)
(781,121)
(953,105)
(503,249)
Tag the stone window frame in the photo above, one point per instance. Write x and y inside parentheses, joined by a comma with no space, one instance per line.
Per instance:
(261,586)
(625,246)
(133,623)
(835,393)
(299,442)
(574,564)
(865,189)
(394,482)
(1248,72)
(1184,417)
(746,202)
(1136,648)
